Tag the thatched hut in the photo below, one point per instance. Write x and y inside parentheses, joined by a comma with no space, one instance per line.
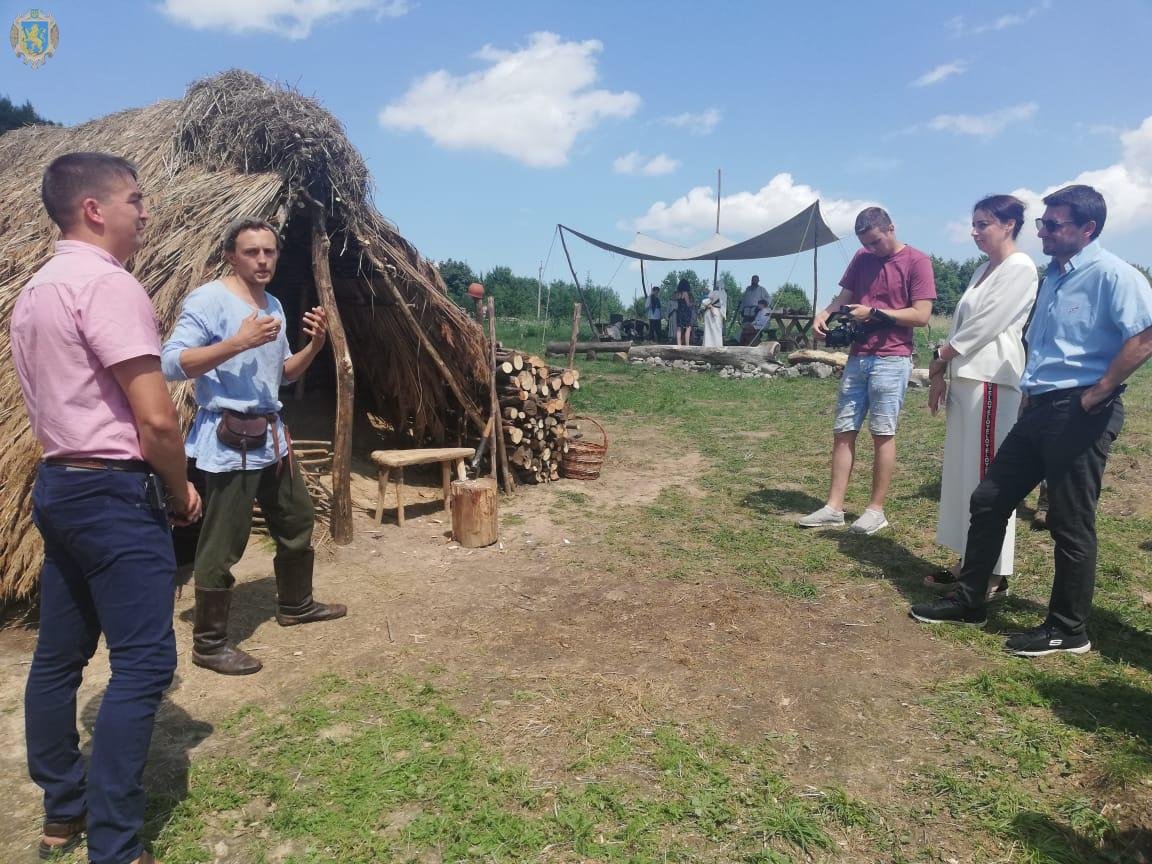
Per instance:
(235,146)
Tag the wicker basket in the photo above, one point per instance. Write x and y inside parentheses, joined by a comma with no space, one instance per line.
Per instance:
(584,459)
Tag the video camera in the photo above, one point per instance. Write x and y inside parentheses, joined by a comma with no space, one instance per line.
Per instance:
(849,330)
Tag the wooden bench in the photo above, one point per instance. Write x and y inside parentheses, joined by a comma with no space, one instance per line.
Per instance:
(387,460)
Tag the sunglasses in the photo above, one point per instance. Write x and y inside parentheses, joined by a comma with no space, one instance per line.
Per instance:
(1052,225)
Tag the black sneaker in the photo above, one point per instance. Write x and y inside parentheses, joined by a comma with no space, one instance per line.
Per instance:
(1046,639)
(948,610)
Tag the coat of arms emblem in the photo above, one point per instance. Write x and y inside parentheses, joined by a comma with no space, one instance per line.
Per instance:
(34,36)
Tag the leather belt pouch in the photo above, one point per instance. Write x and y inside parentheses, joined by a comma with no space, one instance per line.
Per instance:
(242,432)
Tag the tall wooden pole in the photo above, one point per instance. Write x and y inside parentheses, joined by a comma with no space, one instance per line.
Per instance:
(499,450)
(579,290)
(575,335)
(470,410)
(539,288)
(815,276)
(716,262)
(340,523)
(644,291)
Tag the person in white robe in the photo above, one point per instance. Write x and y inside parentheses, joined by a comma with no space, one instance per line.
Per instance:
(715,312)
(976,376)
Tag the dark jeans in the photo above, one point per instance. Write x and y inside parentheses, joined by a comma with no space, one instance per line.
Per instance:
(1057,441)
(227,522)
(108,568)
(654,331)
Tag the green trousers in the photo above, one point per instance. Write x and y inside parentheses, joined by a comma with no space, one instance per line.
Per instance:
(227,523)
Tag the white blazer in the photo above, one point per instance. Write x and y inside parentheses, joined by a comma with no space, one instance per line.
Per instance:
(988,325)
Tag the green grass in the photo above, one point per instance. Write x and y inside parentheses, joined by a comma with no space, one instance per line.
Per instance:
(1034,758)
(359,772)
(1043,763)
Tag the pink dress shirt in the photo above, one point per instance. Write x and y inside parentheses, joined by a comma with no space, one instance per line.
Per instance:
(80,314)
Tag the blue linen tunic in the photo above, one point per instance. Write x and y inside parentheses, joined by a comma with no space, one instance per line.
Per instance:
(248,382)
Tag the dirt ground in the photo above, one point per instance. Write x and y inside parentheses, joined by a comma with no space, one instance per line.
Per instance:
(549,610)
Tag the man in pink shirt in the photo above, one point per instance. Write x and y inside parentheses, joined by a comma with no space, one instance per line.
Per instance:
(887,290)
(87,353)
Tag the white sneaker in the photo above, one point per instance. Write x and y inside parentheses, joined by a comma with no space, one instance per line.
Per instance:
(825,517)
(870,522)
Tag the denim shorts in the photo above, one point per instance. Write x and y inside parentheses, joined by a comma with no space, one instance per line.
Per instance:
(874,386)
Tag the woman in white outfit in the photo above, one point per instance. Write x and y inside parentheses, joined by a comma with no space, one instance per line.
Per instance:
(715,309)
(977,376)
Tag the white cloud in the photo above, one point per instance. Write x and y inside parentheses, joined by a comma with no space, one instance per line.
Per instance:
(960,26)
(1126,185)
(529,104)
(635,163)
(698,124)
(745,212)
(293,19)
(981,125)
(940,73)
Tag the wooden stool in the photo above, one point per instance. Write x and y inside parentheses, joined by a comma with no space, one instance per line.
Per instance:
(386,460)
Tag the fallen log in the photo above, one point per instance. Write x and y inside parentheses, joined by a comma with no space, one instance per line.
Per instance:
(554,348)
(729,355)
(815,355)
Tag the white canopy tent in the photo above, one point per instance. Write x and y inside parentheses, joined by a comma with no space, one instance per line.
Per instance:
(806,230)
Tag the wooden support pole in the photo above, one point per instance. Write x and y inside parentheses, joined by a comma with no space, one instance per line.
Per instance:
(298,393)
(498,450)
(340,518)
(716,261)
(579,290)
(470,409)
(815,276)
(575,333)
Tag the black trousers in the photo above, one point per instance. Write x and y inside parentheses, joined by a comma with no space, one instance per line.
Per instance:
(1057,441)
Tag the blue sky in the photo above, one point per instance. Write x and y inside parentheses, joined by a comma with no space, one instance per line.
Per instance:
(486,123)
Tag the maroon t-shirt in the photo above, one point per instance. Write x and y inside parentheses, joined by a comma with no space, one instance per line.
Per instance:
(889,283)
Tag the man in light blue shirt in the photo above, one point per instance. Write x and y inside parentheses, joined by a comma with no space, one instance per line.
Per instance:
(1091,328)
(231,338)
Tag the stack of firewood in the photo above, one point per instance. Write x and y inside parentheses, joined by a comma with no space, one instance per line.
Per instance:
(533,400)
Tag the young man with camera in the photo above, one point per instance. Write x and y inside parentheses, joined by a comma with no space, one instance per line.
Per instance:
(886,291)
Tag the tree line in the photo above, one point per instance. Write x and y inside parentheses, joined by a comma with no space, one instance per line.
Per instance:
(518,296)
(14,116)
(521,296)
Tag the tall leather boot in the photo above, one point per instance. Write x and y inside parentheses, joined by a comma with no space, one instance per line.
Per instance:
(294,602)
(210,646)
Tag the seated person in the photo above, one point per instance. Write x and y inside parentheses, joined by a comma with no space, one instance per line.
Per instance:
(761,320)
(754,326)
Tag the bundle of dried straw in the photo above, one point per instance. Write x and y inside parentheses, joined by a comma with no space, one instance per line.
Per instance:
(238,146)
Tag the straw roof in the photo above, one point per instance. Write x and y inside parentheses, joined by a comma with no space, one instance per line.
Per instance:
(237,146)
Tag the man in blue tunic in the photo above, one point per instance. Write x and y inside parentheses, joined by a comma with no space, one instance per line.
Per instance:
(231,338)
(1090,330)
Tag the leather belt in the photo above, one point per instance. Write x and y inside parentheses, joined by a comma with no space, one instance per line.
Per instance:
(136,466)
(1050,396)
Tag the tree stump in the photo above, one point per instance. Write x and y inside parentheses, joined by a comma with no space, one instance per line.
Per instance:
(474,517)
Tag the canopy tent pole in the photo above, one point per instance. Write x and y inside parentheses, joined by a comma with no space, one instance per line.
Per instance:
(539,288)
(716,261)
(815,276)
(579,290)
(643,287)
